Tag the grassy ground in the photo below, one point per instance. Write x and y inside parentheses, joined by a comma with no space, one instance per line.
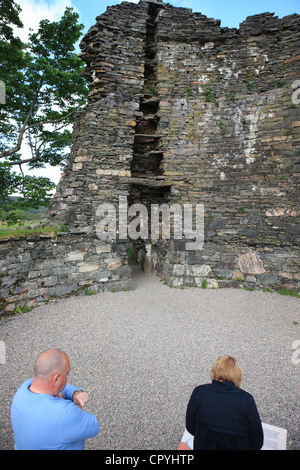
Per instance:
(29,223)
(20,232)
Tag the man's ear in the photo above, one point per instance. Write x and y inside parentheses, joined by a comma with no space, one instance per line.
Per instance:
(55,379)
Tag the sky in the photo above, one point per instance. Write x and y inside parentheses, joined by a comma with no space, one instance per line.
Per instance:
(230,12)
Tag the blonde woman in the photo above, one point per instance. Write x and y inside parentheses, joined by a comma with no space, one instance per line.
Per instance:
(221,415)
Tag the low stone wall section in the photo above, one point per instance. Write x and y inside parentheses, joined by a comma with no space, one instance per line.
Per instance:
(37,270)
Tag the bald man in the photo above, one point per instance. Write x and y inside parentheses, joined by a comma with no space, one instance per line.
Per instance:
(47,412)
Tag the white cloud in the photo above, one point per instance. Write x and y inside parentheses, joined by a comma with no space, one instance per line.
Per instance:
(33,11)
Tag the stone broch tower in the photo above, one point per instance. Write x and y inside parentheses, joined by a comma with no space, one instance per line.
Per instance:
(182,110)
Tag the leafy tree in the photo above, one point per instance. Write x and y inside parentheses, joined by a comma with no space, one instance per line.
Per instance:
(34,190)
(9,14)
(44,88)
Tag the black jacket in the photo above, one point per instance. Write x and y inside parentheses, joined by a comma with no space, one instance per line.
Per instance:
(222,416)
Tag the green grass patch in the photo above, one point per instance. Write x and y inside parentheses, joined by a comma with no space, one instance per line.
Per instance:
(51,230)
(21,310)
(289,292)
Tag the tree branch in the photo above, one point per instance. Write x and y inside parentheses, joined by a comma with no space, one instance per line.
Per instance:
(33,147)
(52,122)
(21,162)
(17,147)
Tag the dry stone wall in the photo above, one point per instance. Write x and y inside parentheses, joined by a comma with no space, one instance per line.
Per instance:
(42,269)
(180,111)
(231,139)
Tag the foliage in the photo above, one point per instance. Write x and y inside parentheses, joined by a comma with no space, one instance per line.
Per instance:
(44,88)
(210,96)
(33,189)
(51,230)
(9,14)
(290,292)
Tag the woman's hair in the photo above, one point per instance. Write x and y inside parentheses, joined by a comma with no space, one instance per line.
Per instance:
(227,369)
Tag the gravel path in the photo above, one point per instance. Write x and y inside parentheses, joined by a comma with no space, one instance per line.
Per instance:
(140,353)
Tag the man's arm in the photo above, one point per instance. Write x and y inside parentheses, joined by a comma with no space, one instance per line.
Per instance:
(77,424)
(79,397)
(69,391)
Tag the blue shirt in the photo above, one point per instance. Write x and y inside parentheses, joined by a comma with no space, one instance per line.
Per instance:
(44,422)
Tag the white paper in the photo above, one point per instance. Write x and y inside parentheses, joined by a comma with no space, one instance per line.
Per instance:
(274,437)
(188,439)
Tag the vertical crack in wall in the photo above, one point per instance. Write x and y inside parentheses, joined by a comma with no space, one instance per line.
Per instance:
(147,151)
(146,168)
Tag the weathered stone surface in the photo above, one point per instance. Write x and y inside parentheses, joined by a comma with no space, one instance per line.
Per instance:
(88,267)
(197,271)
(180,110)
(251,263)
(75,256)
(80,268)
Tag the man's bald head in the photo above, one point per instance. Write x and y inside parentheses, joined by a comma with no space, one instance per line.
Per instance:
(50,362)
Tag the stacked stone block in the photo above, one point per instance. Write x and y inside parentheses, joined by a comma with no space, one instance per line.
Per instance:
(180,110)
